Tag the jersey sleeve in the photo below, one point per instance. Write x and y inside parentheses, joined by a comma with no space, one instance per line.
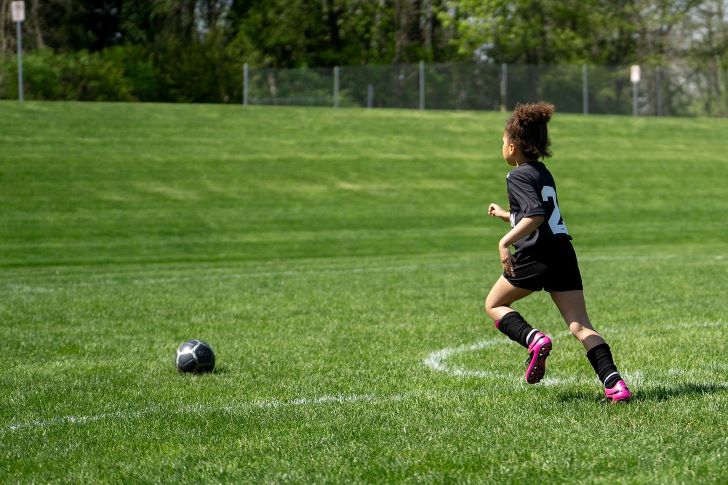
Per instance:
(525,192)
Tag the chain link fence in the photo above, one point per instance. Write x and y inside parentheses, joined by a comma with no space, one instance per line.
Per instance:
(661,90)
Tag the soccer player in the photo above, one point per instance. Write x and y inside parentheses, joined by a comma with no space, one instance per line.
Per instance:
(544,257)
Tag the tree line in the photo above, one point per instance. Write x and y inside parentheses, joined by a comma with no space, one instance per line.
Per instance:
(193,50)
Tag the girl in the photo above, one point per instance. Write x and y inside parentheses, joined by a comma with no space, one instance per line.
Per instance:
(544,257)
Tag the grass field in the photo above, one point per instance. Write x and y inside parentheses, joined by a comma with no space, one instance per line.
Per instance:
(337,261)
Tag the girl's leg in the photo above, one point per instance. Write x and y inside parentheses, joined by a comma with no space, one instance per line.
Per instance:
(510,322)
(501,297)
(573,308)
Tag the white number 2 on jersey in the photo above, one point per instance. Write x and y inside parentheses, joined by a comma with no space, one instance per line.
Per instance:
(555,223)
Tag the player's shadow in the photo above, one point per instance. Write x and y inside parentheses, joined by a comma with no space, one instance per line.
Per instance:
(665,392)
(653,393)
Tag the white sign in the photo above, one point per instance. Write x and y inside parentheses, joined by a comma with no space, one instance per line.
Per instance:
(634,74)
(18,9)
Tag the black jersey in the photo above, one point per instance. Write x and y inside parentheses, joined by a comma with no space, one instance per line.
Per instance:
(532,192)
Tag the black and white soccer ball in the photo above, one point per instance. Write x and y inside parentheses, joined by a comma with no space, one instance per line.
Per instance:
(195,356)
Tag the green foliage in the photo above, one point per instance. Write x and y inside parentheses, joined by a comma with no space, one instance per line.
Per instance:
(79,76)
(193,50)
(138,70)
(197,73)
(544,31)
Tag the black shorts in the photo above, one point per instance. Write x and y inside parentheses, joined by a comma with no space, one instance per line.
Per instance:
(551,266)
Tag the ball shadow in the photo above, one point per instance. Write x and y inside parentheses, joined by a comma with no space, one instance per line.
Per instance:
(216,371)
(221,369)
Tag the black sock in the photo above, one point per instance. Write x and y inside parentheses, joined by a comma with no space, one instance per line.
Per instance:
(601,360)
(515,327)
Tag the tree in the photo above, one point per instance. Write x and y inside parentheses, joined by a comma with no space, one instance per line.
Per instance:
(543,31)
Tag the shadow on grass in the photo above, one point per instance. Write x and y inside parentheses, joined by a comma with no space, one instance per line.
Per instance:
(663,393)
(221,369)
(652,393)
(201,375)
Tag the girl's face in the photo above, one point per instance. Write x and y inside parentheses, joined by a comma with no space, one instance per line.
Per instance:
(509,151)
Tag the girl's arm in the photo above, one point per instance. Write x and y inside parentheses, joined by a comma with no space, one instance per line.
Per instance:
(494,210)
(524,227)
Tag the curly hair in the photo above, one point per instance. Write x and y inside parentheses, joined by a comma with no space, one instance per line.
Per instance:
(526,129)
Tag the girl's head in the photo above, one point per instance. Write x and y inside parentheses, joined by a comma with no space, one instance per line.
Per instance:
(526,136)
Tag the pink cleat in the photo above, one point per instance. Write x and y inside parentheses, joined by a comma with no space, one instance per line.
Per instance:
(618,393)
(538,350)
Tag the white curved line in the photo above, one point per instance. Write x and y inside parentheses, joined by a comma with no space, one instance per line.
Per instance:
(437,360)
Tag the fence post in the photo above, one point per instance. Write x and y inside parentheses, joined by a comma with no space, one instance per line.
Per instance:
(658,91)
(719,72)
(635,75)
(504,87)
(585,88)
(21,89)
(370,95)
(245,84)
(336,87)
(422,85)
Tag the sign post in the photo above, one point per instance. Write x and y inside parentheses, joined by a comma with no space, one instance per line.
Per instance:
(245,84)
(635,74)
(18,12)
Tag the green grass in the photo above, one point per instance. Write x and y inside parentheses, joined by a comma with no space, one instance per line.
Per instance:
(328,255)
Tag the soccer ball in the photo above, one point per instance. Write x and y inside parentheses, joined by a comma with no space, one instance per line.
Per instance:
(195,356)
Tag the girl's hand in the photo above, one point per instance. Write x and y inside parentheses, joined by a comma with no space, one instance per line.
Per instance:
(494,210)
(506,259)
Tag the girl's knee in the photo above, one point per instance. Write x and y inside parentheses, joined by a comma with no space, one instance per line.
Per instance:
(496,309)
(581,330)
(575,328)
(490,306)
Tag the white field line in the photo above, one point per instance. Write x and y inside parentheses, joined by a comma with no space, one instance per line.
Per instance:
(201,409)
(437,360)
(191,409)
(24,288)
